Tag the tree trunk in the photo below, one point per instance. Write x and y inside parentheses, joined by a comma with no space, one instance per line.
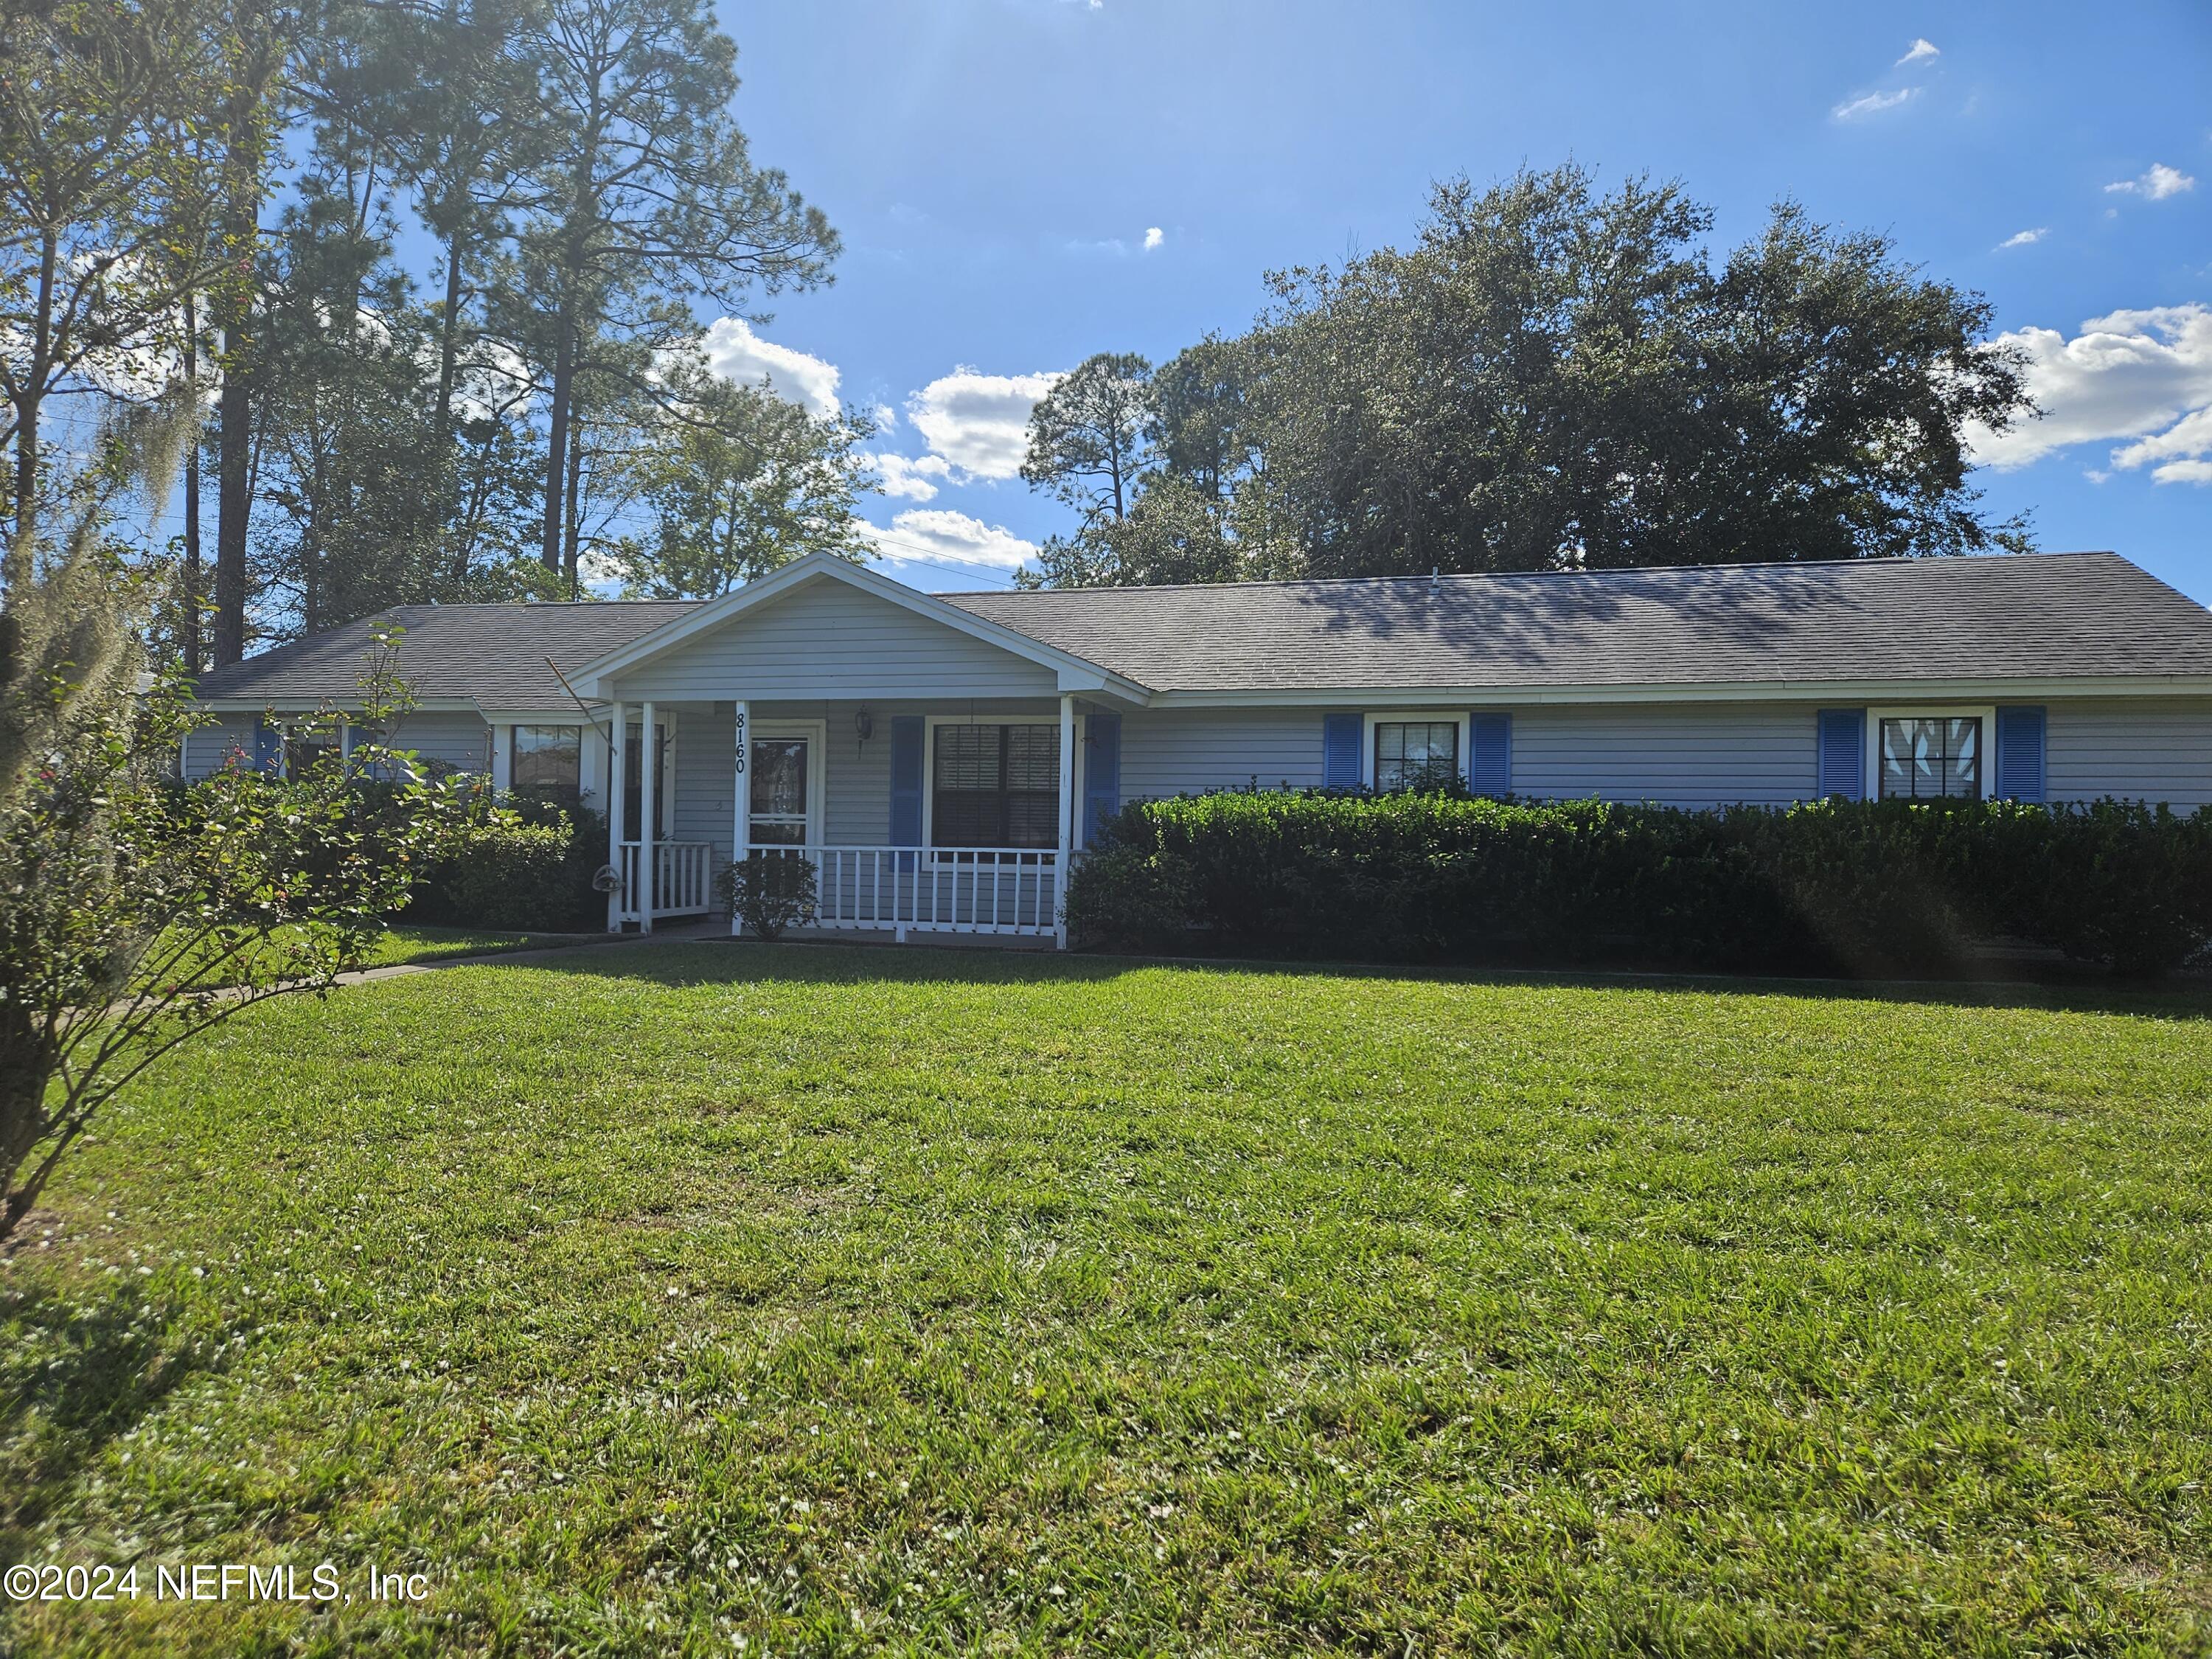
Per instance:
(574,495)
(234,437)
(27,405)
(557,445)
(192,620)
(449,328)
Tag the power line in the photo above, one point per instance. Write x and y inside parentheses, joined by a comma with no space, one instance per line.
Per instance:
(940,560)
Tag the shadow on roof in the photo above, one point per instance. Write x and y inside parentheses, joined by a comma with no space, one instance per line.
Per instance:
(1527,619)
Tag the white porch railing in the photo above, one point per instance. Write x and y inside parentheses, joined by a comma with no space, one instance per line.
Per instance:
(951,889)
(683,879)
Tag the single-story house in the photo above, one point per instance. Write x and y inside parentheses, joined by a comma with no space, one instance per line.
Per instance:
(942,757)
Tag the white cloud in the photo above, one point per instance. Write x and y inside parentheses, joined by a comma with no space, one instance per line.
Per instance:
(1874,103)
(2159,183)
(904,475)
(736,353)
(1918,52)
(2141,374)
(979,422)
(886,417)
(2180,454)
(2023,238)
(1153,237)
(925,533)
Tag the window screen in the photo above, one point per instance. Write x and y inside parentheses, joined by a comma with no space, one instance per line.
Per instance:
(996,786)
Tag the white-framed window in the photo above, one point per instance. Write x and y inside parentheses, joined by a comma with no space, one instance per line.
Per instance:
(993,781)
(547,761)
(1403,747)
(1931,753)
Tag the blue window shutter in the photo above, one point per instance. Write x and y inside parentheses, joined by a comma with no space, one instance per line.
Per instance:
(1102,773)
(1842,753)
(1490,754)
(906,779)
(267,747)
(2020,753)
(1340,752)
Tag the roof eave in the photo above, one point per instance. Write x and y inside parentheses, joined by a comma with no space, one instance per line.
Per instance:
(1985,687)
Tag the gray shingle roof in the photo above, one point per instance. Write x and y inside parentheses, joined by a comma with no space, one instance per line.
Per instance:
(2035,616)
(2000,617)
(494,654)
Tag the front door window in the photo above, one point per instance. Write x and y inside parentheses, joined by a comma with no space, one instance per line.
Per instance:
(780,785)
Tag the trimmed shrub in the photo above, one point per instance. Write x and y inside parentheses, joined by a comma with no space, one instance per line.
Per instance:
(507,874)
(1868,888)
(768,892)
(585,905)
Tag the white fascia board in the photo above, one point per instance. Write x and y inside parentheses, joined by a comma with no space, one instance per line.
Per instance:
(1074,673)
(535,713)
(1838,691)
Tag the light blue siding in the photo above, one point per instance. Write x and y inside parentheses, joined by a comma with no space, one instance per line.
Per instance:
(212,746)
(1676,754)
(460,741)
(2155,749)
(1187,751)
(1680,754)
(831,640)
(856,803)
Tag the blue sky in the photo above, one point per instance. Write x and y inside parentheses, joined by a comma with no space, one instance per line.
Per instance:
(1020,183)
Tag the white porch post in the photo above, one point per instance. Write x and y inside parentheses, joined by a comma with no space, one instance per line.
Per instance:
(741,827)
(502,757)
(649,811)
(1066,818)
(617,776)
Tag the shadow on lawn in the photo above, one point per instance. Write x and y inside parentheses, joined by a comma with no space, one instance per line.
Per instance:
(76,1377)
(680,963)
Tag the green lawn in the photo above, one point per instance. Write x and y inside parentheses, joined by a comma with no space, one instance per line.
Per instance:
(399,944)
(412,944)
(844,1301)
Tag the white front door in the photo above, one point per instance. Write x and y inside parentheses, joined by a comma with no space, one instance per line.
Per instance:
(785,765)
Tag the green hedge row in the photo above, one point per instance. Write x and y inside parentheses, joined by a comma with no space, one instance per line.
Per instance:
(1859,887)
(530,869)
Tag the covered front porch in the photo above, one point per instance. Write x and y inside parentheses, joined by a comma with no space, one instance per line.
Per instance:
(915,815)
(936,769)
